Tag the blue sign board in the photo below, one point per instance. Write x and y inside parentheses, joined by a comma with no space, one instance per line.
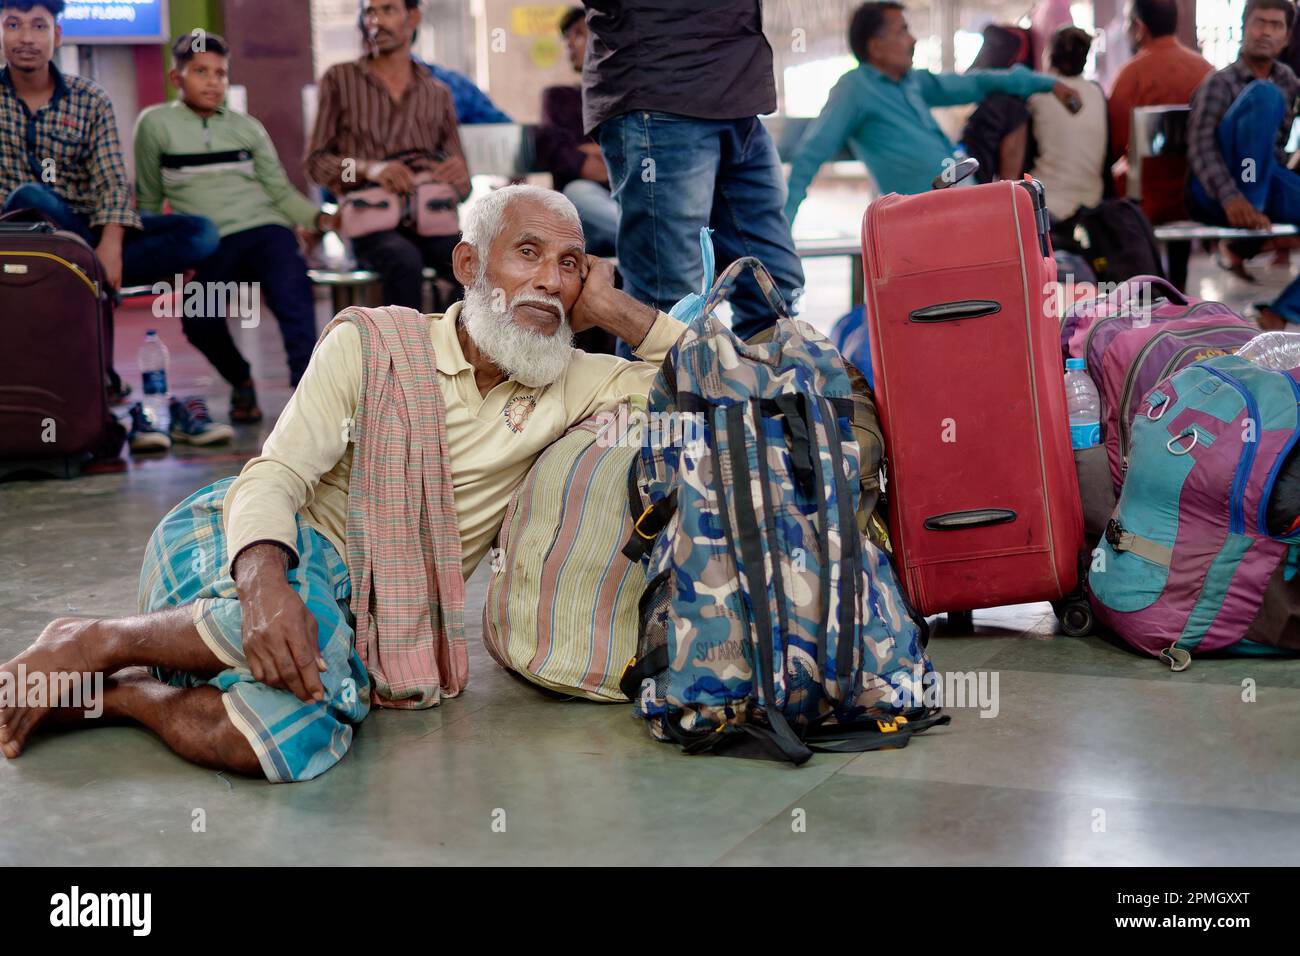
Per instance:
(114,21)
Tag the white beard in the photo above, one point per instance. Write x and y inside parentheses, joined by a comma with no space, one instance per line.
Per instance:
(530,358)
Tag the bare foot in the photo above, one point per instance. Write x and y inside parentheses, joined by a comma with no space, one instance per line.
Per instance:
(58,651)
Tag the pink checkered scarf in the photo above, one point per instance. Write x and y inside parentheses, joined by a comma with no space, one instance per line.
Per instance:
(403,541)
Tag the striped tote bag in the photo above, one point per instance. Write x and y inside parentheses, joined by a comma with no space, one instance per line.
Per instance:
(562,601)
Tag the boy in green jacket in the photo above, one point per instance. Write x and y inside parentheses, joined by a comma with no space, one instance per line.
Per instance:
(211,161)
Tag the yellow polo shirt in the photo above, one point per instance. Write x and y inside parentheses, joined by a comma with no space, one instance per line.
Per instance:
(493,439)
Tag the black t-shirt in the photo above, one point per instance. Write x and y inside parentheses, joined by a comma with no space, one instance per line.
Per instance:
(706,59)
(998,115)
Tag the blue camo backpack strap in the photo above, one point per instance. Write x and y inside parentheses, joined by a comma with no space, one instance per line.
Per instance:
(652,490)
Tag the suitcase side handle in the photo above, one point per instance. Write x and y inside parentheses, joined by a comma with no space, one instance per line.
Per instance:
(953,311)
(977,518)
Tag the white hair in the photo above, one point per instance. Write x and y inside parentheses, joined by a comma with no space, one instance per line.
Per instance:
(484,219)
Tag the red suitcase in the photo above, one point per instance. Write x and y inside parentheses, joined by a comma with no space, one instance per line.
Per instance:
(54,413)
(984,503)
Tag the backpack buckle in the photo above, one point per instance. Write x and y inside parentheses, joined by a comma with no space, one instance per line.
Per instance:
(637,524)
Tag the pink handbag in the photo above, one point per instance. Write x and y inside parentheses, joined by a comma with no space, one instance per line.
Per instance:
(435,210)
(430,209)
(369,210)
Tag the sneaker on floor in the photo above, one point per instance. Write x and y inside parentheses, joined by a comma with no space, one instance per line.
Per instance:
(192,424)
(243,405)
(144,434)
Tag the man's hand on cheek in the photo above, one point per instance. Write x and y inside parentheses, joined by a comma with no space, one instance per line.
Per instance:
(602,305)
(595,300)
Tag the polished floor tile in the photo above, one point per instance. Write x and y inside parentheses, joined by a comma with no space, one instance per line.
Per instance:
(887,824)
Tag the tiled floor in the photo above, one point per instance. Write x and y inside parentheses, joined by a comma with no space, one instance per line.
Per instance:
(1094,756)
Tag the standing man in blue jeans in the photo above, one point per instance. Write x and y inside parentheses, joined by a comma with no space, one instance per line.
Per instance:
(1240,122)
(672,93)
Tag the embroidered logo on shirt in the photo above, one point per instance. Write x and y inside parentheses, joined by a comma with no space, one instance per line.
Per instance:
(517,411)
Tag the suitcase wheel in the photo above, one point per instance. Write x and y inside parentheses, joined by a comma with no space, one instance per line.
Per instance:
(1075,617)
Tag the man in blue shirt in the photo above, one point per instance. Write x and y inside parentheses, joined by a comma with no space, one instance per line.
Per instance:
(472,104)
(881,110)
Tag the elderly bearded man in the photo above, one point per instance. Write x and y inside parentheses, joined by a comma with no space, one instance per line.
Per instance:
(257,660)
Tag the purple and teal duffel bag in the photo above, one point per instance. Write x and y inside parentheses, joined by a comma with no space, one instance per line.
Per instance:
(1188,555)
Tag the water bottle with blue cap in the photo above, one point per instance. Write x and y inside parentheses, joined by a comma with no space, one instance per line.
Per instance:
(1084,405)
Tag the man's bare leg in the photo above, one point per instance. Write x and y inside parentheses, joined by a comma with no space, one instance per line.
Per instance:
(192,721)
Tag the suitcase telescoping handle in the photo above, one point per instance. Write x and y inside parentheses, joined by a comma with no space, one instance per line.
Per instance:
(955,173)
(1042,218)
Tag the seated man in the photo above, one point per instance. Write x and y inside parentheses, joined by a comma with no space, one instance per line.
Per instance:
(60,156)
(571,157)
(1162,72)
(1240,121)
(381,120)
(997,132)
(210,161)
(881,109)
(245,588)
(1069,156)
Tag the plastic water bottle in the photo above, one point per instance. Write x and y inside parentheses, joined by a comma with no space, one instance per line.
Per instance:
(153,357)
(1084,404)
(1279,351)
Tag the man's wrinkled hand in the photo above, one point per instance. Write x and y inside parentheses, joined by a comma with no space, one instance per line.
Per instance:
(279,637)
(598,295)
(279,633)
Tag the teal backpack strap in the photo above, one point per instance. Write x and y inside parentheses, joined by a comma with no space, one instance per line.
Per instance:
(1292,562)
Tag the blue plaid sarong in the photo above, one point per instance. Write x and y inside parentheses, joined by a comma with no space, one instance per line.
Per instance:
(184,563)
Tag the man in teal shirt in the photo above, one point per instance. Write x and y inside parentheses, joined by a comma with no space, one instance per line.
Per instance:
(881,110)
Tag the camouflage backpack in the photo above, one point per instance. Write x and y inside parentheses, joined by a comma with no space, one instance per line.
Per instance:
(770,626)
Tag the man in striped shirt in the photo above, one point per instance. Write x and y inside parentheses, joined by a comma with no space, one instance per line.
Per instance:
(381,120)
